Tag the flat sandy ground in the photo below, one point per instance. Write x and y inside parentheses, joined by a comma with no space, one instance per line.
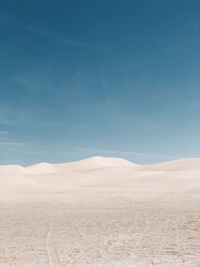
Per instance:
(113,228)
(150,221)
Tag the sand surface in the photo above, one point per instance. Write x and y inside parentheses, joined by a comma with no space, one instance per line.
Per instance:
(100,212)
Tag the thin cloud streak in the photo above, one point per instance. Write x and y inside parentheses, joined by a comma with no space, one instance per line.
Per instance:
(62,39)
(5,140)
(158,41)
(10,143)
(3,132)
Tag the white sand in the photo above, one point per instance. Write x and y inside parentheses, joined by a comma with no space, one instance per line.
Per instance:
(100,212)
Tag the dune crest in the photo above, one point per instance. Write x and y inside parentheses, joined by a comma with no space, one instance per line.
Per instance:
(88,164)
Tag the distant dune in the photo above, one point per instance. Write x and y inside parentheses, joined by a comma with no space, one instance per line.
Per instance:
(98,172)
(89,164)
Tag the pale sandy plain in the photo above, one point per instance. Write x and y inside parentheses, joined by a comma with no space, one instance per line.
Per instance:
(100,212)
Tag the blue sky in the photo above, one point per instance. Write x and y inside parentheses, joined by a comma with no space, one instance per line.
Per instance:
(110,78)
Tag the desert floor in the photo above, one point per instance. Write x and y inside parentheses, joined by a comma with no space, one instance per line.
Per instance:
(135,225)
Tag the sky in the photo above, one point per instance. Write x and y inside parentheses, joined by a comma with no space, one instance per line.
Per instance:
(99,77)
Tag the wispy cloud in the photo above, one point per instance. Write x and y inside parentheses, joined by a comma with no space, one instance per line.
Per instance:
(71,42)
(11,143)
(159,41)
(7,141)
(63,39)
(3,132)
(12,115)
(16,116)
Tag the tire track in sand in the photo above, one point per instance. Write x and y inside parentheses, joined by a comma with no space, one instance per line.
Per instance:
(51,249)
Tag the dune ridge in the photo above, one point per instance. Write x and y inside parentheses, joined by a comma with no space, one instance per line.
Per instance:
(98,172)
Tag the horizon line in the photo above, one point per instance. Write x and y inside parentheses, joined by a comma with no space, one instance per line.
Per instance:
(97,156)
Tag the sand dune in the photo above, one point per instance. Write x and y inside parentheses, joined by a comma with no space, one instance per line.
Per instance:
(90,164)
(98,172)
(177,165)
